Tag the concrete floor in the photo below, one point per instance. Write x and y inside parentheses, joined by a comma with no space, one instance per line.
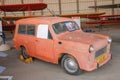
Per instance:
(40,70)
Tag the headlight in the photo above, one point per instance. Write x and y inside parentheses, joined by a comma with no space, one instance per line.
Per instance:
(109,40)
(91,48)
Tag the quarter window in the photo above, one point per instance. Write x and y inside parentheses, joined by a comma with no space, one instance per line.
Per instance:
(22,29)
(30,29)
(27,29)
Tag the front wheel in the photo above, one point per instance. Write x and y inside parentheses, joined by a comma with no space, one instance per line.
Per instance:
(70,65)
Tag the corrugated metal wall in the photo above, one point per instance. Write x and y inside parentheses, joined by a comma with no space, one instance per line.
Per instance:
(84,4)
(66,6)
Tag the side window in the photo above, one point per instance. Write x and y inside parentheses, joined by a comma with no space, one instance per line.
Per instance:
(30,29)
(22,29)
(43,32)
(27,29)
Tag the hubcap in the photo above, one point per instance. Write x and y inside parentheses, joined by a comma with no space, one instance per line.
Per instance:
(70,65)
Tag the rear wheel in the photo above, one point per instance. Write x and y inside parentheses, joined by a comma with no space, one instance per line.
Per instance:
(24,56)
(24,53)
(70,65)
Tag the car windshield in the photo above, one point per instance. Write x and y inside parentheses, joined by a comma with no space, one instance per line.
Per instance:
(65,26)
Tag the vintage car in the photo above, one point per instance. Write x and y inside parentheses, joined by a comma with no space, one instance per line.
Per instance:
(61,41)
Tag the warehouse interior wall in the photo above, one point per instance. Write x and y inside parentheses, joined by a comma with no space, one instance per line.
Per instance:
(64,6)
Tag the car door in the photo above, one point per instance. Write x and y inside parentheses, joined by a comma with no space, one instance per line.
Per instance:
(44,43)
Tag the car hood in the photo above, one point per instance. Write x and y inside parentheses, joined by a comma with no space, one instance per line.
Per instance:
(82,37)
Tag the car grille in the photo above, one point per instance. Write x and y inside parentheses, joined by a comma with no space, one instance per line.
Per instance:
(101,51)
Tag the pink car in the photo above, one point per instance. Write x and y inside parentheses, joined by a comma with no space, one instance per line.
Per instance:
(61,41)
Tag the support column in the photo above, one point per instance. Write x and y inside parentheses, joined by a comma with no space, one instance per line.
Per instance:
(95,3)
(77,5)
(22,1)
(113,2)
(3,2)
(60,11)
(42,13)
(29,11)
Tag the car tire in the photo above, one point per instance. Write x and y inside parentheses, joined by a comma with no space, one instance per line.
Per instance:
(70,65)
(24,53)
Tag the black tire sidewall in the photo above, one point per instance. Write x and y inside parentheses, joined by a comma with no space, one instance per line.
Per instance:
(25,55)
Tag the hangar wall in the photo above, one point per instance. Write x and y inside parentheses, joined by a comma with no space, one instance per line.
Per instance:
(66,6)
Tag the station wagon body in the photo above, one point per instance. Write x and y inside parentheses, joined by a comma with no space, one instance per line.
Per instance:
(61,40)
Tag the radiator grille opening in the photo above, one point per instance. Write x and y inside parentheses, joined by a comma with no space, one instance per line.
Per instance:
(100,52)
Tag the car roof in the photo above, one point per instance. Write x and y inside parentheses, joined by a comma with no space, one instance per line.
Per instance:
(43,20)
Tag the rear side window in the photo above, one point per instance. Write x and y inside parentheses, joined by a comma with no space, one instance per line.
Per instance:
(30,29)
(22,29)
(27,29)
